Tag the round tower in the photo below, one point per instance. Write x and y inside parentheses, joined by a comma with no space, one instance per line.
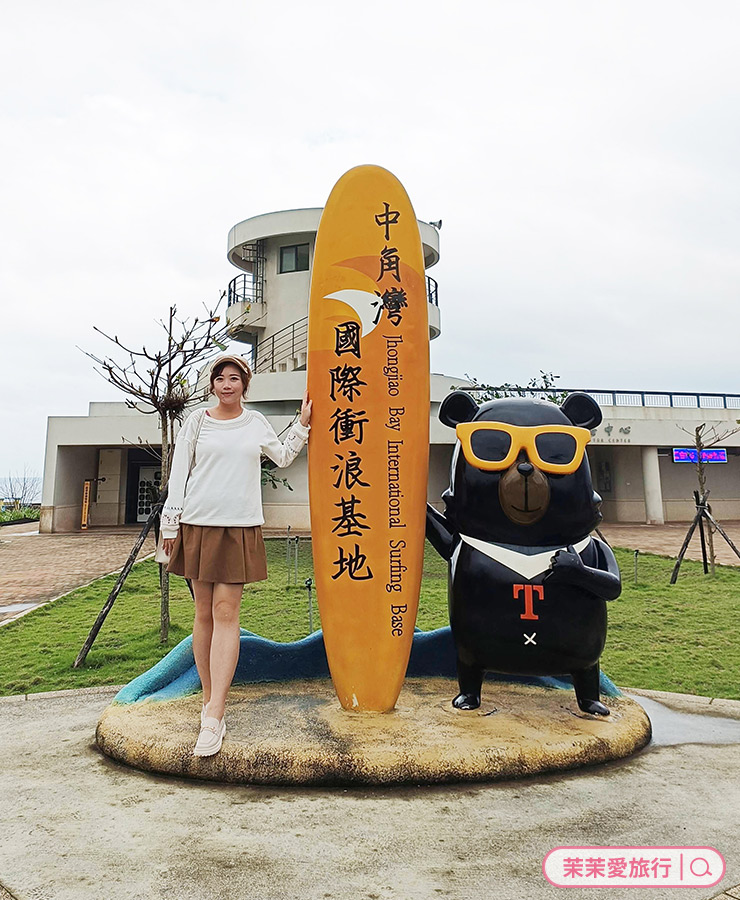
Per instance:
(268,302)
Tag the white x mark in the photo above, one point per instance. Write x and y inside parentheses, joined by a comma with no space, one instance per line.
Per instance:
(530,639)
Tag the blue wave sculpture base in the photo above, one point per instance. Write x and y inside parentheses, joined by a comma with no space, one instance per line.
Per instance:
(260,660)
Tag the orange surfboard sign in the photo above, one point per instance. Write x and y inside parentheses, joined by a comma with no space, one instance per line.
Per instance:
(368,458)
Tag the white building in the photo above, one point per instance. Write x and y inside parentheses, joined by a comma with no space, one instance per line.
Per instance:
(632,457)
(267,310)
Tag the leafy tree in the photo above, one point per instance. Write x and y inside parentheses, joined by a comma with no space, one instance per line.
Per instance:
(543,385)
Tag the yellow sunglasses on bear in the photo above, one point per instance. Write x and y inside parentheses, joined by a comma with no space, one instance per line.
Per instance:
(494,446)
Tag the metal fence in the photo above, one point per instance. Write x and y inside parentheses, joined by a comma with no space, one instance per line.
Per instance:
(666,399)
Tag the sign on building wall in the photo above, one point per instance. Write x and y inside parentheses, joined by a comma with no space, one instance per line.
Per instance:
(689,455)
(86,496)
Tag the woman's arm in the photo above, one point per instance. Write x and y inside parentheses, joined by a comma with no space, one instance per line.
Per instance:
(283,454)
(178,476)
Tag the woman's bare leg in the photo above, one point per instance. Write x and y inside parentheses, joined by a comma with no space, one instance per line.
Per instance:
(227,599)
(203,634)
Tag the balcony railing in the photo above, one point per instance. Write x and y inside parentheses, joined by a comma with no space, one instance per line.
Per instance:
(283,346)
(673,399)
(666,399)
(249,286)
(244,289)
(432,291)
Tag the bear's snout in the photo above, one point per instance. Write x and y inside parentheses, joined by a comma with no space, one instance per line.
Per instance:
(524,493)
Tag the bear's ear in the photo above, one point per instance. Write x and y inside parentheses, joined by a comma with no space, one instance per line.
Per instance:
(582,410)
(457,407)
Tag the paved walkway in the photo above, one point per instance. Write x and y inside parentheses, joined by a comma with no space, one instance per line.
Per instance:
(666,540)
(77,826)
(35,568)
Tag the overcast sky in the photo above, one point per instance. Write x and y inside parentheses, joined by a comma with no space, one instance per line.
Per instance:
(583,156)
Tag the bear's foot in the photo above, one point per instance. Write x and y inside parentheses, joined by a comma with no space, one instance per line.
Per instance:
(466,701)
(595,707)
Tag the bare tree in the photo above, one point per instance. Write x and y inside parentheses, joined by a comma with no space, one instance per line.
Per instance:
(163,383)
(706,436)
(22,487)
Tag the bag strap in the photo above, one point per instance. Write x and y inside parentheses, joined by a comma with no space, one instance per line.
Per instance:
(198,427)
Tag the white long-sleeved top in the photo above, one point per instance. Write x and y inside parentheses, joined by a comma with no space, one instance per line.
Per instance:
(224,485)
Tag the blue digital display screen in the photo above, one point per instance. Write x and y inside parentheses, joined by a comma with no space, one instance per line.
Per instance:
(688,455)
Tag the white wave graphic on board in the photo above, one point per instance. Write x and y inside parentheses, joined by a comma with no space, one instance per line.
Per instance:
(363,303)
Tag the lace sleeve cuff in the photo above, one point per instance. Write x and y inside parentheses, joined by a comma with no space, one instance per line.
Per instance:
(171,521)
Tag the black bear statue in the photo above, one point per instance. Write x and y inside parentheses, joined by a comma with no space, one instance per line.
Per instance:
(528,581)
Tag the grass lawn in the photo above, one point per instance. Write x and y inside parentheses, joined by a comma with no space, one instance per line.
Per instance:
(682,638)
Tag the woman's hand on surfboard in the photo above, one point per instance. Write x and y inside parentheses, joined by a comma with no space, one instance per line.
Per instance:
(306,409)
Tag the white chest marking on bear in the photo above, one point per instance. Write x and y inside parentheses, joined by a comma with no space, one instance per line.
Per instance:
(522,563)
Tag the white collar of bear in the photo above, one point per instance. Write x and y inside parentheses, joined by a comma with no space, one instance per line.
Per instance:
(528,566)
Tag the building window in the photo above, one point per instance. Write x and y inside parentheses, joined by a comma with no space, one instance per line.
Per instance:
(294,259)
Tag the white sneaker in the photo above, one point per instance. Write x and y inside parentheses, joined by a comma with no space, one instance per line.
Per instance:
(211,737)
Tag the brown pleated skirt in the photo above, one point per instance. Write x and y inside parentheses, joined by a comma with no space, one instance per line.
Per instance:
(230,555)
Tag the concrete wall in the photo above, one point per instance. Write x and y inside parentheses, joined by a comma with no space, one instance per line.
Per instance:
(112,408)
(617,477)
(440,458)
(74,465)
(282,506)
(647,426)
(625,501)
(286,294)
(76,441)
(679,482)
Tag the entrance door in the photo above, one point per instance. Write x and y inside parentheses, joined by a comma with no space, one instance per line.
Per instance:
(150,478)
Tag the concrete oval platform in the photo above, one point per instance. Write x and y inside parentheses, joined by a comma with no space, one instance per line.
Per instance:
(295,732)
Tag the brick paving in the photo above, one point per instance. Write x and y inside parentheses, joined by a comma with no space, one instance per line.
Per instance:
(35,568)
(666,540)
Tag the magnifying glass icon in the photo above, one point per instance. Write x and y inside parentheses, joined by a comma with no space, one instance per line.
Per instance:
(699,874)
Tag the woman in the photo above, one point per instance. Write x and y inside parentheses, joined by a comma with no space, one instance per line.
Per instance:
(211,525)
